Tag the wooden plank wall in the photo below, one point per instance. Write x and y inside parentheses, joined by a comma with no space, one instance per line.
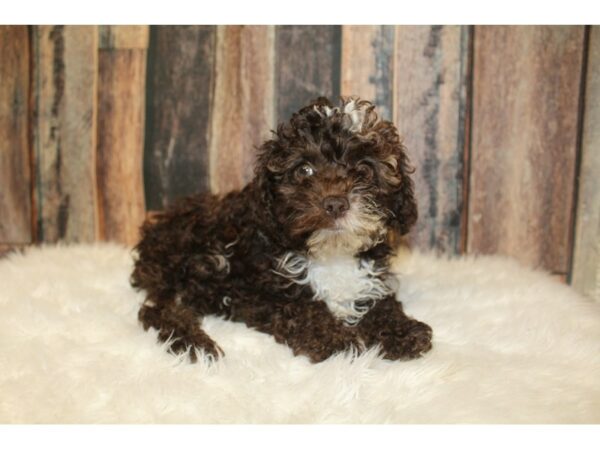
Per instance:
(101,125)
(524,148)
(65,70)
(121,113)
(243,107)
(180,82)
(307,65)
(430,104)
(15,172)
(586,260)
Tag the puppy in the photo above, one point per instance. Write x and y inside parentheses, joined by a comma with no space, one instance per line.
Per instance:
(301,253)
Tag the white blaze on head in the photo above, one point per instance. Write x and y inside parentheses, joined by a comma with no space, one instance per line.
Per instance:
(355,115)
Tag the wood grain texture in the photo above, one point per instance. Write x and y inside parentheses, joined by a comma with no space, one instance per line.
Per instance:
(586,258)
(123,36)
(430,105)
(180,89)
(368,65)
(307,66)
(243,103)
(524,134)
(65,66)
(121,102)
(15,173)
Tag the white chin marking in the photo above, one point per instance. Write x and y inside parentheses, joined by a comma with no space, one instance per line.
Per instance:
(361,228)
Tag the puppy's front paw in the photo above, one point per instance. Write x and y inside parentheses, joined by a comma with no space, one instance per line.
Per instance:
(197,343)
(323,347)
(407,340)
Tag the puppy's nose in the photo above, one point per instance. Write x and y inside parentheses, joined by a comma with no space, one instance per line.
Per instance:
(335,206)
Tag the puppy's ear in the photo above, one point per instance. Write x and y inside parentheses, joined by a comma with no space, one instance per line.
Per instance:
(403,201)
(262,176)
(396,175)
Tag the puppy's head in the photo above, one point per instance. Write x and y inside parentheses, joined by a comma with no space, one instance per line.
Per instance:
(336,178)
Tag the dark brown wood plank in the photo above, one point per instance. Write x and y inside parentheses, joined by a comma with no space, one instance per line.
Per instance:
(586,258)
(243,109)
(180,89)
(15,173)
(307,66)
(524,134)
(430,106)
(121,101)
(368,65)
(65,66)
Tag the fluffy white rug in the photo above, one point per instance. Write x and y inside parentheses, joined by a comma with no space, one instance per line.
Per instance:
(510,345)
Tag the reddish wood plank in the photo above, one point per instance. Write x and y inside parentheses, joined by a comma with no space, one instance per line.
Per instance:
(307,66)
(242,115)
(367,65)
(15,173)
(430,105)
(524,133)
(65,68)
(180,90)
(121,101)
(586,258)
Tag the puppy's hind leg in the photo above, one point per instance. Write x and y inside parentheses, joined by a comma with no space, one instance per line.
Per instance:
(180,325)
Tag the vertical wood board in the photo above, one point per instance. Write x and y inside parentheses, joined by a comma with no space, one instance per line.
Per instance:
(243,104)
(586,258)
(524,133)
(367,65)
(307,66)
(180,94)
(15,172)
(123,36)
(64,133)
(121,102)
(430,106)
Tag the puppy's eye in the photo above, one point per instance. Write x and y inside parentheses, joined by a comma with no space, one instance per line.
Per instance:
(304,171)
(364,171)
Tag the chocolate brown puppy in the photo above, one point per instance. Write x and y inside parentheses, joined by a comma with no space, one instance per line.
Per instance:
(301,253)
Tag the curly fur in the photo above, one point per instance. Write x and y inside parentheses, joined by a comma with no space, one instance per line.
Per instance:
(301,253)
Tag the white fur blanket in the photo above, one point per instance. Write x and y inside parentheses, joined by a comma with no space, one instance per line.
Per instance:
(510,345)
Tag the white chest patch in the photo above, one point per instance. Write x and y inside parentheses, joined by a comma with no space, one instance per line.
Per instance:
(339,280)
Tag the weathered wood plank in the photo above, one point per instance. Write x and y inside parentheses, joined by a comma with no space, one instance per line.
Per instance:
(430,105)
(123,36)
(121,101)
(180,89)
(524,134)
(65,66)
(368,65)
(243,110)
(15,173)
(586,258)
(307,66)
